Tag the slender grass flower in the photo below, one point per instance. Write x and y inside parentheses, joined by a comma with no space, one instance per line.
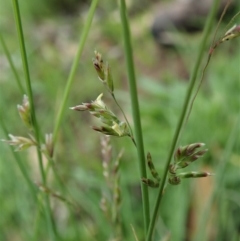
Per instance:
(111,124)
(156,179)
(103,71)
(232,33)
(21,143)
(111,196)
(25,112)
(47,147)
(183,157)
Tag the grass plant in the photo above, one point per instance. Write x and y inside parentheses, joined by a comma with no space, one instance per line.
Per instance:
(73,196)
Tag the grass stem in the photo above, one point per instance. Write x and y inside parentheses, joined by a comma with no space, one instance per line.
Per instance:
(50,222)
(135,110)
(180,124)
(74,67)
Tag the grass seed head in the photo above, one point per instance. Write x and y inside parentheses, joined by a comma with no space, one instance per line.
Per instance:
(25,112)
(21,143)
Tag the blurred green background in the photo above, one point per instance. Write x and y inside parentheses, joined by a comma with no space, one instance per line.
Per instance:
(52,30)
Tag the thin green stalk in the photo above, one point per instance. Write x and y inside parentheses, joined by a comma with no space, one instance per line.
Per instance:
(27,78)
(193,78)
(135,110)
(11,64)
(213,46)
(130,129)
(74,67)
(219,180)
(18,22)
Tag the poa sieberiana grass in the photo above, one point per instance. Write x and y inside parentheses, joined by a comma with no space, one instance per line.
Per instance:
(101,210)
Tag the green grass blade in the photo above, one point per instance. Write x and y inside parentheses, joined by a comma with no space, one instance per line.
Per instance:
(27,79)
(74,67)
(135,110)
(17,15)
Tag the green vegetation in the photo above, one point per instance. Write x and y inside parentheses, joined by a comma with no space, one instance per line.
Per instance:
(89,188)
